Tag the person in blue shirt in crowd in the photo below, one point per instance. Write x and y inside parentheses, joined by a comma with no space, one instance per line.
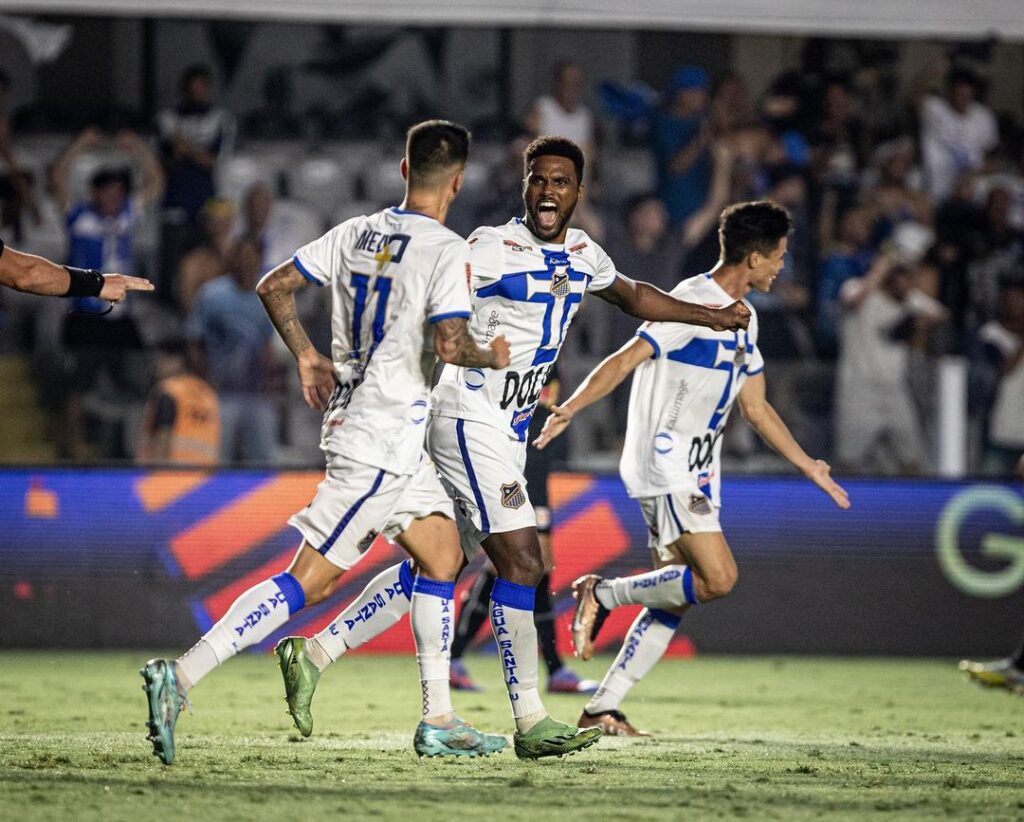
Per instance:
(680,137)
(229,336)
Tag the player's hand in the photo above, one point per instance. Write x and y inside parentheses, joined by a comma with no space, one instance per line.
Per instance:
(555,424)
(500,351)
(316,376)
(820,473)
(116,286)
(731,318)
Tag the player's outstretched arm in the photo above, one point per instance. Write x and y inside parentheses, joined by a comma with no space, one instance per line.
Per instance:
(647,302)
(454,344)
(769,425)
(599,383)
(277,293)
(37,275)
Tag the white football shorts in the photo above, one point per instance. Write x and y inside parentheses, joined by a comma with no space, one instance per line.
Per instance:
(483,471)
(669,516)
(355,502)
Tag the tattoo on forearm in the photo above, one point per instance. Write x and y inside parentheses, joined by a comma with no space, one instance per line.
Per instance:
(456,345)
(280,307)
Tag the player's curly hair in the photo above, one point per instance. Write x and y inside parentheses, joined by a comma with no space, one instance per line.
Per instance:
(434,147)
(554,146)
(747,227)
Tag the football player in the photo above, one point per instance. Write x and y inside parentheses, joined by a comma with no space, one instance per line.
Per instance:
(687,379)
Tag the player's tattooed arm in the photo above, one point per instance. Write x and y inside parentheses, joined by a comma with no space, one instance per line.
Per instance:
(454,344)
(277,293)
(645,301)
(598,383)
(765,420)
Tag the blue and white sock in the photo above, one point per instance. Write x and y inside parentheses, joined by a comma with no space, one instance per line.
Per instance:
(667,587)
(645,644)
(516,635)
(384,601)
(433,618)
(252,617)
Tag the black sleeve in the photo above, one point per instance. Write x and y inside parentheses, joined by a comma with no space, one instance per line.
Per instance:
(165,413)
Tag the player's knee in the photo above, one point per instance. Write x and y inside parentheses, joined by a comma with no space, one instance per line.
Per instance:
(443,568)
(525,569)
(719,583)
(317,589)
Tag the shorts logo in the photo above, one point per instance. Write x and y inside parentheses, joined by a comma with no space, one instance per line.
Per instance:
(364,544)
(663,443)
(560,283)
(699,504)
(512,495)
(475,379)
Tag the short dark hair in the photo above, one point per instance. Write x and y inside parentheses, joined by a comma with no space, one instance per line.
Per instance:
(555,147)
(747,227)
(196,71)
(433,147)
(108,176)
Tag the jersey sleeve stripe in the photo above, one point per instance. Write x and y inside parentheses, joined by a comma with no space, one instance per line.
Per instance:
(657,348)
(755,373)
(448,315)
(305,271)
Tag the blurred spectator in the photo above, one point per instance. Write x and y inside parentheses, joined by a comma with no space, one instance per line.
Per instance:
(229,335)
(562,112)
(730,105)
(894,184)
(1003,344)
(279,227)
(16,197)
(104,350)
(210,259)
(680,137)
(992,252)
(194,136)
(181,422)
(877,426)
(839,137)
(850,256)
(956,133)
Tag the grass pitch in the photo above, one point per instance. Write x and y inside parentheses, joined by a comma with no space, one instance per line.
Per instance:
(755,737)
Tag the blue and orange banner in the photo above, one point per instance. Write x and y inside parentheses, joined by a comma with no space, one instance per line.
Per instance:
(941,561)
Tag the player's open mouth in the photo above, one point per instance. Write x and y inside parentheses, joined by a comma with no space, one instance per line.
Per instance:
(547,214)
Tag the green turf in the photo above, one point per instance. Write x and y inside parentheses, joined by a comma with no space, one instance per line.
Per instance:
(760,738)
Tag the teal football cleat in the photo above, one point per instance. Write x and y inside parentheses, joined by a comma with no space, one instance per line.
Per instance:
(165,703)
(552,738)
(457,738)
(300,679)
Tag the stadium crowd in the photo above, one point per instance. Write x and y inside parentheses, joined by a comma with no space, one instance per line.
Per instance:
(908,200)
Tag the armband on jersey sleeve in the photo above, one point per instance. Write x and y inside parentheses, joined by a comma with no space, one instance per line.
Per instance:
(85,282)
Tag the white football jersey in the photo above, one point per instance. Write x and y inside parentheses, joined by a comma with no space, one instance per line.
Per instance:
(681,398)
(529,291)
(392,274)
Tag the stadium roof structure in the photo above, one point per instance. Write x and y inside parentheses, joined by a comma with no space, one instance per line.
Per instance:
(1003,19)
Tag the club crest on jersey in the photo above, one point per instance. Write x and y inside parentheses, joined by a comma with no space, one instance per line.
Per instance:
(560,283)
(699,504)
(513,495)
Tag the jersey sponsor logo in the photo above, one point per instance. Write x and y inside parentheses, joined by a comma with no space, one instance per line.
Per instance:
(699,504)
(469,276)
(663,442)
(578,248)
(702,450)
(512,495)
(517,246)
(523,389)
(474,378)
(560,287)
